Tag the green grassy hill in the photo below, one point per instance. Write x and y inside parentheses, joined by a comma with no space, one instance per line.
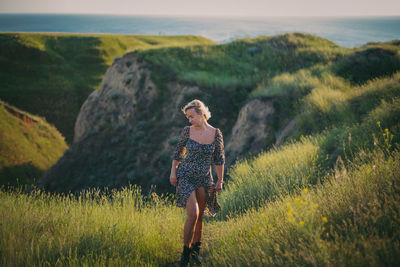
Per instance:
(29,145)
(225,74)
(285,68)
(51,75)
(329,196)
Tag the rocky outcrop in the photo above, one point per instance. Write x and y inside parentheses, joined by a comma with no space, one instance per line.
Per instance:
(125,84)
(252,130)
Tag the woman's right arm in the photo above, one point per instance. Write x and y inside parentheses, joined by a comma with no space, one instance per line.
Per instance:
(179,155)
(172,177)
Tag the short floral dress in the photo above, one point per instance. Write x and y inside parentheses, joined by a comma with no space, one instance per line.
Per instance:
(195,169)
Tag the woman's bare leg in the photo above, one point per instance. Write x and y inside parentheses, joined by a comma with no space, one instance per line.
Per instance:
(201,201)
(192,210)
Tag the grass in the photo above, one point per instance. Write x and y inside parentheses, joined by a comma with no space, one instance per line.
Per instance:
(84,230)
(350,219)
(28,146)
(241,63)
(269,174)
(341,120)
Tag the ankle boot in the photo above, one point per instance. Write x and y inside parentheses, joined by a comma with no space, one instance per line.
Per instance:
(185,257)
(196,253)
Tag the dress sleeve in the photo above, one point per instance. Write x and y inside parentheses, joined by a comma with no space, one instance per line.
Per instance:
(180,150)
(219,154)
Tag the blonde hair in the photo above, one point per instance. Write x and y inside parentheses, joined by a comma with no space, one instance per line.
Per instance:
(199,107)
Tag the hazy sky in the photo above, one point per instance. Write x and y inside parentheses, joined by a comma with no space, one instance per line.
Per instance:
(208,7)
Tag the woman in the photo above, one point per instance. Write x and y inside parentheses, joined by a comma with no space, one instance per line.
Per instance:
(199,146)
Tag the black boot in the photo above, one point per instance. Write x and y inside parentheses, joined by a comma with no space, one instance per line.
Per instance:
(185,257)
(196,253)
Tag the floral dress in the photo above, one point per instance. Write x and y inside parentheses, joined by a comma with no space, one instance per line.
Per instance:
(195,169)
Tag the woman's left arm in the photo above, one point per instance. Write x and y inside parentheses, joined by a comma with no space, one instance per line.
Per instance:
(219,159)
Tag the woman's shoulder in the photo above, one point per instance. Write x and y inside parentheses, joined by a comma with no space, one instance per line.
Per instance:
(218,133)
(186,130)
(216,129)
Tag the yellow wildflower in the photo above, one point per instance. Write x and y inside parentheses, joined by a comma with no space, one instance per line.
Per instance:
(289,213)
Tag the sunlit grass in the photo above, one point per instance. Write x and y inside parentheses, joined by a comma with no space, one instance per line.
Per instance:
(270,174)
(352,219)
(39,228)
(305,162)
(28,146)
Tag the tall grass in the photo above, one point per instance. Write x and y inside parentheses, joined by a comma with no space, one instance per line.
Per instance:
(270,174)
(353,219)
(304,162)
(122,227)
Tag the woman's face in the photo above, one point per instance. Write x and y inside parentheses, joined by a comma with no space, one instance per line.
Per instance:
(193,117)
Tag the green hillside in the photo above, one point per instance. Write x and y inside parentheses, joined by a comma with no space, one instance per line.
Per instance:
(51,75)
(283,67)
(308,159)
(328,196)
(29,145)
(225,74)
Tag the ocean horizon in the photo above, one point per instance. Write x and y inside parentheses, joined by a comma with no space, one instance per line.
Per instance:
(345,31)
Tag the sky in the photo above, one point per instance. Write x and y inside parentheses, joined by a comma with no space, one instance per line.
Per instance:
(207,7)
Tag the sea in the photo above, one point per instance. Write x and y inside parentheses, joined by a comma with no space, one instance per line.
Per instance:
(345,31)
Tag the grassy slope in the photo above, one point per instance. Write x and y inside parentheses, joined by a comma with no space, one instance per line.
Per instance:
(28,145)
(284,67)
(228,73)
(330,198)
(352,219)
(51,75)
(306,161)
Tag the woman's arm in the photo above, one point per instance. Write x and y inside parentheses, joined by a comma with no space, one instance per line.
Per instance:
(179,154)
(220,174)
(172,177)
(219,159)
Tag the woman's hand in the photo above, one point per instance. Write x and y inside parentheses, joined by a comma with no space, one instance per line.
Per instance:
(218,185)
(173,180)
